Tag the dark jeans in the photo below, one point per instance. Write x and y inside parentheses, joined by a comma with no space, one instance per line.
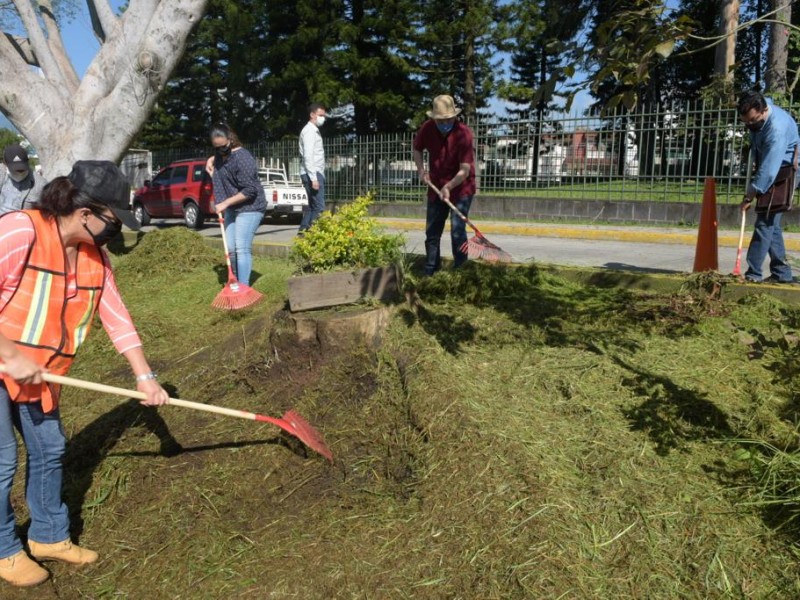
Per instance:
(316,201)
(768,239)
(434,226)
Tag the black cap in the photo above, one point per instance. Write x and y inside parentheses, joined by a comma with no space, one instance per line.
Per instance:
(15,157)
(105,183)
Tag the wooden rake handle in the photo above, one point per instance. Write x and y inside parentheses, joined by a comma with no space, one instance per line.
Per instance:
(451,205)
(221,220)
(110,389)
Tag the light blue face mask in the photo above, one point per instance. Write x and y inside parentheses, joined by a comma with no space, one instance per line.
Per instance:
(445,127)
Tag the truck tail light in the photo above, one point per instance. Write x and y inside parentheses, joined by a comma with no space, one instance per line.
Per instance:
(274,196)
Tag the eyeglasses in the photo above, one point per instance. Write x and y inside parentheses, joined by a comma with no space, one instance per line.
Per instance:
(108,220)
(756,119)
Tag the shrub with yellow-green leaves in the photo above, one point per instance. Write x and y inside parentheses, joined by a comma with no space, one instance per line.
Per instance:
(348,239)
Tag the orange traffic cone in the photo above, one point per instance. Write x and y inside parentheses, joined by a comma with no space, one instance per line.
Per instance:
(705,256)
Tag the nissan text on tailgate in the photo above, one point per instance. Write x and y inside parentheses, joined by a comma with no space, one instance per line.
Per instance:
(283,197)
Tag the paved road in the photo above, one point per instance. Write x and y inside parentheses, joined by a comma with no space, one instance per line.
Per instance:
(675,254)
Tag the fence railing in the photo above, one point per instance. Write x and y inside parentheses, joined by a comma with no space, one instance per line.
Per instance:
(658,154)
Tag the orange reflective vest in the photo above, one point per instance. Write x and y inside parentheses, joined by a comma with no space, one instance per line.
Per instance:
(46,323)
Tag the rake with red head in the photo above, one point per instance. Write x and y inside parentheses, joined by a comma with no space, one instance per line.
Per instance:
(291,422)
(235,294)
(478,246)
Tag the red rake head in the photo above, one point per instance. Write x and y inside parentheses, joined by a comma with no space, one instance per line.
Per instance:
(236,295)
(307,434)
(478,247)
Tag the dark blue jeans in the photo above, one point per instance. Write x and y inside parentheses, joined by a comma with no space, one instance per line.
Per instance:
(768,239)
(434,227)
(316,201)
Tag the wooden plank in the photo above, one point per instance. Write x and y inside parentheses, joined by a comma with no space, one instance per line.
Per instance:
(331,289)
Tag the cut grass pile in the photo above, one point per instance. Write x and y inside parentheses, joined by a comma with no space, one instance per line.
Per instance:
(515,436)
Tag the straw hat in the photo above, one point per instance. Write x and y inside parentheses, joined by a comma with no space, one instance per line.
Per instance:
(444,107)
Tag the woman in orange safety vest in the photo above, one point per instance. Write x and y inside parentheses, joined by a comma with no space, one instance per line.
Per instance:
(54,278)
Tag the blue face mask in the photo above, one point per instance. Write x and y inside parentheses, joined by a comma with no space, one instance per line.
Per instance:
(445,127)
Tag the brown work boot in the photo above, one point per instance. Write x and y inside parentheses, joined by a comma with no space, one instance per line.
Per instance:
(21,571)
(64,551)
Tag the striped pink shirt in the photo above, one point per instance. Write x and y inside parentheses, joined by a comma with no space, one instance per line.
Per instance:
(16,238)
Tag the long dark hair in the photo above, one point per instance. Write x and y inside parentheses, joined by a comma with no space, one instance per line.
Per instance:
(60,198)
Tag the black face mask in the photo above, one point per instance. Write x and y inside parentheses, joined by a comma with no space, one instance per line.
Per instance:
(109,232)
(222,151)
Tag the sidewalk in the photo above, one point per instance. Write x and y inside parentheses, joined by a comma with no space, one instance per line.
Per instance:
(615,233)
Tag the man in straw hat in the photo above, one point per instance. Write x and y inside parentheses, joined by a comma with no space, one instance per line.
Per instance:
(452,170)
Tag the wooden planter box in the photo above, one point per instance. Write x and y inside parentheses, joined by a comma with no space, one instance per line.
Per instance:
(346,287)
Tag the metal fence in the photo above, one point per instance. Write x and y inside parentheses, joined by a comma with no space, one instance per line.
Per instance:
(660,154)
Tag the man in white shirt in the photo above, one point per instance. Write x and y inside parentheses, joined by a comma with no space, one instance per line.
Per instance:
(312,166)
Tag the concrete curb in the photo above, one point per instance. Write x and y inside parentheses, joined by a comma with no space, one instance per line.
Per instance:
(588,233)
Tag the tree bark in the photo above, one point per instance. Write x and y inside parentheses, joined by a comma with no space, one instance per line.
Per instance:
(98,118)
(725,55)
(778,53)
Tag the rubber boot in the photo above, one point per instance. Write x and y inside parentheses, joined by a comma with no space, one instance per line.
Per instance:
(64,551)
(21,571)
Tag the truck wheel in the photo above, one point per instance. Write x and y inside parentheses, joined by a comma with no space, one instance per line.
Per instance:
(140,214)
(192,216)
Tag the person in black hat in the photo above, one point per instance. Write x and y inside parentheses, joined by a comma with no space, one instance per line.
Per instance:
(55,277)
(20,187)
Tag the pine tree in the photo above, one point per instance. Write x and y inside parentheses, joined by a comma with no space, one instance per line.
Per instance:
(456,49)
(215,81)
(374,62)
(545,52)
(296,65)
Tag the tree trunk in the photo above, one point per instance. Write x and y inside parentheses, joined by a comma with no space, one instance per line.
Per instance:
(725,55)
(778,53)
(99,118)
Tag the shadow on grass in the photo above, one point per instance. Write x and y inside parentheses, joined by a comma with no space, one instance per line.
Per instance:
(207,448)
(671,414)
(87,450)
(783,347)
(568,316)
(451,332)
(118,247)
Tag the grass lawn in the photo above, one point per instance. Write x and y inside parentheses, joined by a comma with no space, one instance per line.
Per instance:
(514,436)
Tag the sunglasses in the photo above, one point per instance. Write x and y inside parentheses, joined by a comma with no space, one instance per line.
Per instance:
(107,220)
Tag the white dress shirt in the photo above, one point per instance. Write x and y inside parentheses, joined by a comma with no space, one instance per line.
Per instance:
(312,155)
